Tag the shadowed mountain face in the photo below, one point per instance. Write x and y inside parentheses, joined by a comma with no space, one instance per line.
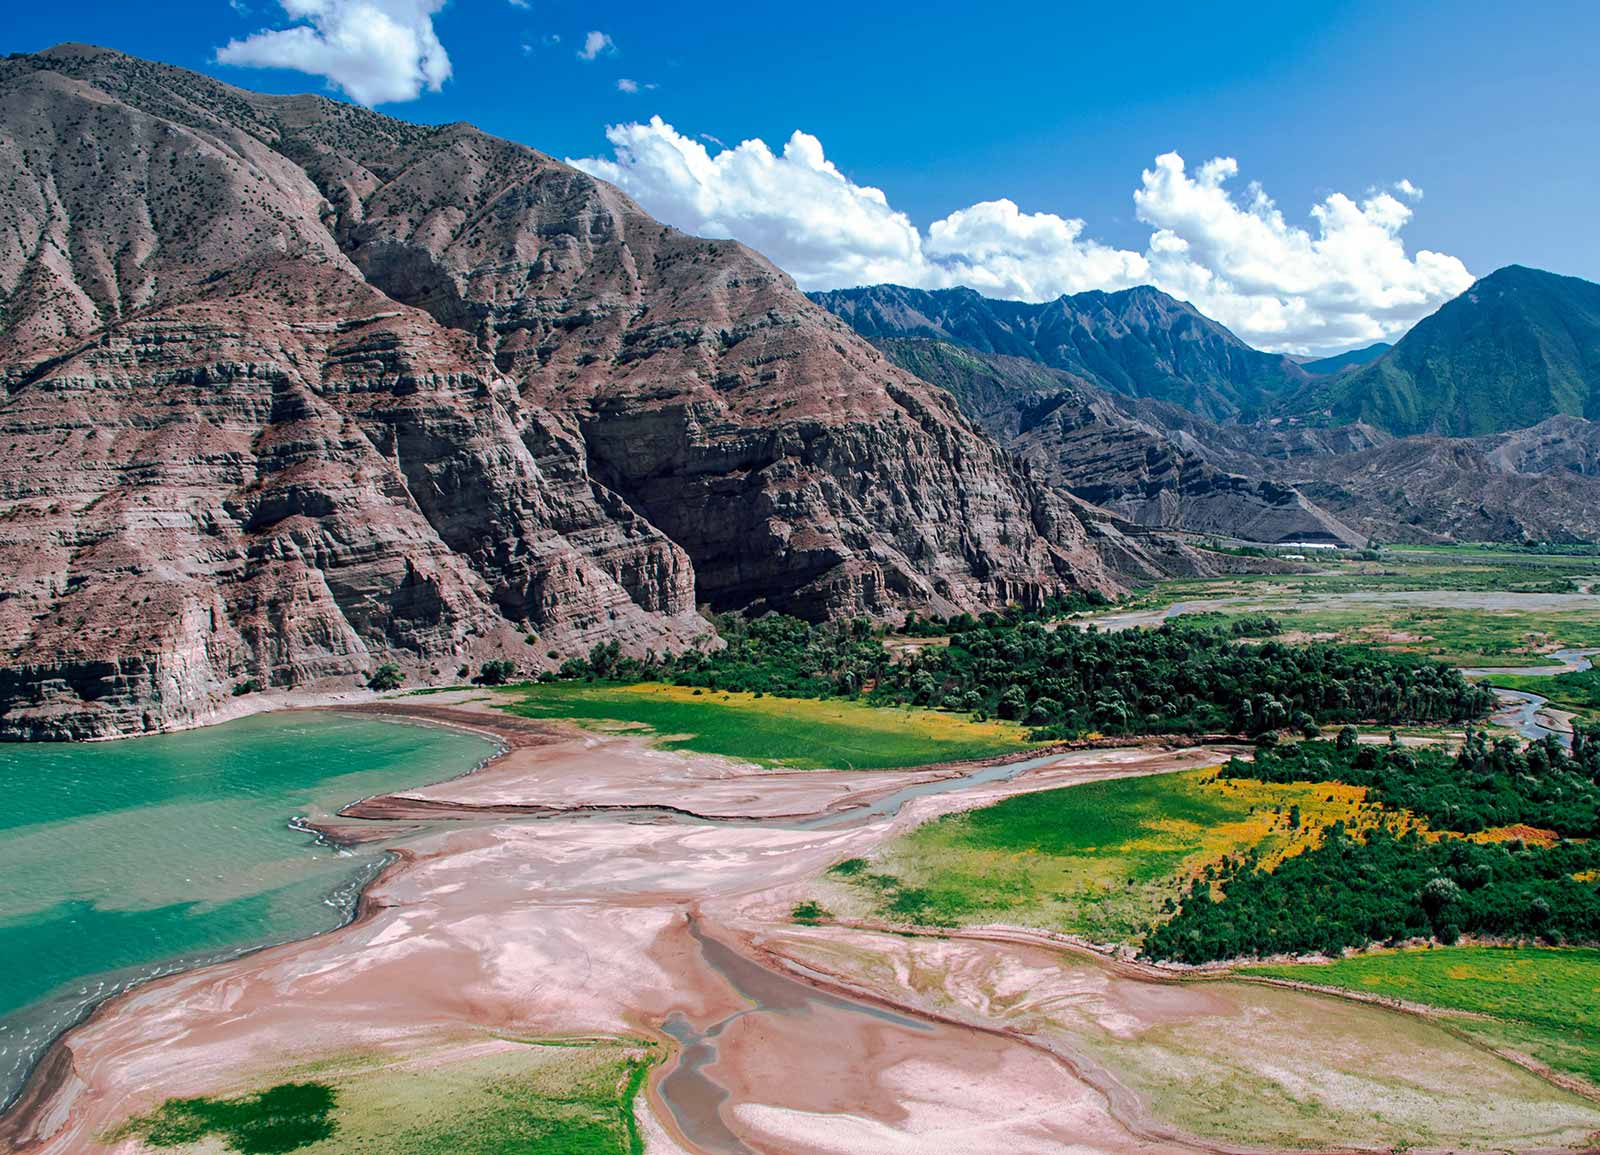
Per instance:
(1518,347)
(1074,436)
(1139,341)
(293,389)
(1535,484)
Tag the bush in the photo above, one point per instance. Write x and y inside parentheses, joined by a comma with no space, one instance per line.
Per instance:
(809,911)
(497,672)
(388,676)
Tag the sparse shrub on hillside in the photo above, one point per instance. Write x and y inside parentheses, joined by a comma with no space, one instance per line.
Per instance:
(388,676)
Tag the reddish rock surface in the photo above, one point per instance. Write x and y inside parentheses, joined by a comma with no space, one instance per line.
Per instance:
(293,389)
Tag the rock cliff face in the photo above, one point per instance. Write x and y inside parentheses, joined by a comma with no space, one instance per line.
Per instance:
(293,389)
(1075,437)
(1540,484)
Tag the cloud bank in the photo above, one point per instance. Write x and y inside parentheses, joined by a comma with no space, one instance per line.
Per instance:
(1344,278)
(377,51)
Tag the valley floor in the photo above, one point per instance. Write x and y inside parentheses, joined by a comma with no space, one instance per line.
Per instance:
(635,905)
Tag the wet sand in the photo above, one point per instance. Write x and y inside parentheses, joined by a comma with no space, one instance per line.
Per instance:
(518,907)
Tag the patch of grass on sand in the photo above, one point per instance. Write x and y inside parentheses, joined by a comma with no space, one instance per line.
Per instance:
(798,733)
(1541,1001)
(288,1117)
(495,1097)
(1578,691)
(1099,860)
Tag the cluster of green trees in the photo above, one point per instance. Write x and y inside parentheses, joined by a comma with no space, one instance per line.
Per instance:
(1064,682)
(1382,886)
(1486,785)
(1176,679)
(1053,608)
(1355,890)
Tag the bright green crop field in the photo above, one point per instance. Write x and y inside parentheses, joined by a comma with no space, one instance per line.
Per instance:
(796,733)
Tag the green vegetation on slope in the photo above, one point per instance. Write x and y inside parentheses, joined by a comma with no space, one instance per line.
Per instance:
(791,732)
(1543,1001)
(1519,346)
(484,1098)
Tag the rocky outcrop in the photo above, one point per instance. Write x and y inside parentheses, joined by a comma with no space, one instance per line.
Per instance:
(1075,437)
(293,389)
(1540,484)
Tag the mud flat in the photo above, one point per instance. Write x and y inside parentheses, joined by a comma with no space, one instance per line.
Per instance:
(525,914)
(1208,1059)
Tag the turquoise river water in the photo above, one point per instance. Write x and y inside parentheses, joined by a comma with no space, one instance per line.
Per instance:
(124,860)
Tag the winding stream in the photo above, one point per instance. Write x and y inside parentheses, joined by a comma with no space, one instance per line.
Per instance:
(1526,712)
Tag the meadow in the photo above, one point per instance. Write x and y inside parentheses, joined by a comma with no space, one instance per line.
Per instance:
(1103,861)
(1541,1001)
(576,1098)
(793,733)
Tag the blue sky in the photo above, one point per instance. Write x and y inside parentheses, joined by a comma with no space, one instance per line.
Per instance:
(1489,109)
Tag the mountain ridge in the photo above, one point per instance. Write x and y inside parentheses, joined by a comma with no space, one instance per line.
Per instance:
(1519,346)
(293,389)
(1139,341)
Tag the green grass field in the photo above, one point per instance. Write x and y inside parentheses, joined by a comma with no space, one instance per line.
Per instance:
(1578,692)
(1097,860)
(795,733)
(484,1100)
(1541,1001)
(1459,637)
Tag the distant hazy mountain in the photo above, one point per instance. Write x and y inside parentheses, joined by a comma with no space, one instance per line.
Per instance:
(1519,346)
(1351,359)
(1139,341)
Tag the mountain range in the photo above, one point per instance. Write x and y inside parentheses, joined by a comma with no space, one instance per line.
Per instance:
(1139,341)
(293,390)
(1519,346)
(1474,425)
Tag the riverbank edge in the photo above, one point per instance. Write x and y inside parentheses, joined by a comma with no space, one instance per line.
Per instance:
(14,1111)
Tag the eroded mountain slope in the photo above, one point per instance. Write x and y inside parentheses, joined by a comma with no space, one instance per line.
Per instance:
(293,389)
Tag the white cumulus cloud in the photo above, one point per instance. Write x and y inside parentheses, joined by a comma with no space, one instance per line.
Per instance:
(377,51)
(1343,277)
(596,44)
(826,231)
